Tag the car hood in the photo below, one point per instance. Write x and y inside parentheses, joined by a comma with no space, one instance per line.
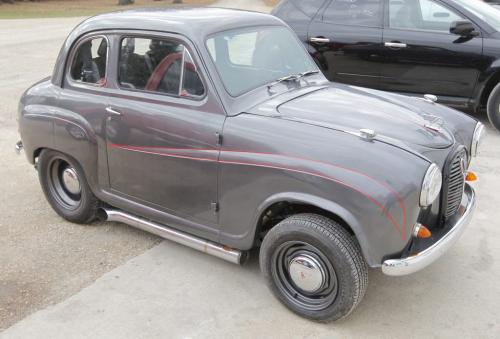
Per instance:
(350,109)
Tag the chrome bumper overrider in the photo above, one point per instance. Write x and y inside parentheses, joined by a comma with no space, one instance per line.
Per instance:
(19,147)
(404,266)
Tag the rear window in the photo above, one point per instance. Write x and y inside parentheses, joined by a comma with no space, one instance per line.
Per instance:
(89,62)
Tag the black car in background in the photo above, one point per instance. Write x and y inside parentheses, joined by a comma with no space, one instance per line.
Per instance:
(448,48)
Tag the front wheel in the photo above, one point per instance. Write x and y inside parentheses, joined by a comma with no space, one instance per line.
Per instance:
(493,107)
(66,188)
(314,267)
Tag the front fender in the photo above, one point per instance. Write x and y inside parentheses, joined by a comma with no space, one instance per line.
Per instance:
(372,185)
(324,204)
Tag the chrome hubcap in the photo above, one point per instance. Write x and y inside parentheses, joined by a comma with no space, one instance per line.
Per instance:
(71,181)
(307,273)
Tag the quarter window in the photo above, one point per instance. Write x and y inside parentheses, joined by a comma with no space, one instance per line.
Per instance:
(427,15)
(158,65)
(355,12)
(89,63)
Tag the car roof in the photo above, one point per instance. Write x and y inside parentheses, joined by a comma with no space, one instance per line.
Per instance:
(196,23)
(189,21)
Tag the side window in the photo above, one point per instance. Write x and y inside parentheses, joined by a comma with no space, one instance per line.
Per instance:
(89,62)
(309,7)
(158,65)
(354,12)
(427,15)
(192,86)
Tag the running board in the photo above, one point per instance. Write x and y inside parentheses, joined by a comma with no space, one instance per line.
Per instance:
(223,252)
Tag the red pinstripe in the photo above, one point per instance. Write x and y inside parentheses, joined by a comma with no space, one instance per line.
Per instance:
(387,214)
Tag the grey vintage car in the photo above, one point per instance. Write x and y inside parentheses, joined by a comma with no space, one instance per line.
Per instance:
(215,129)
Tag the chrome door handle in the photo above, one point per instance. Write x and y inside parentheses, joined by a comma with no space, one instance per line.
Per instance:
(112,111)
(319,40)
(395,45)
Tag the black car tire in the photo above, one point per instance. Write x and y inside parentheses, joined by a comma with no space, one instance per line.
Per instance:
(493,107)
(345,273)
(78,207)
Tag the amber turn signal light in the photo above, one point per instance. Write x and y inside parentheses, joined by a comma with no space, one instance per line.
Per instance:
(422,232)
(471,176)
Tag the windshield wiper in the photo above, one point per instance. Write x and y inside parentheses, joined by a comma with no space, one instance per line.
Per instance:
(292,77)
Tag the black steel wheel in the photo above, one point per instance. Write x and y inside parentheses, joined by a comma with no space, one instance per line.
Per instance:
(314,267)
(65,187)
(304,275)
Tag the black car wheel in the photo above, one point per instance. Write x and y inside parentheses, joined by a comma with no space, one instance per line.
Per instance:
(66,188)
(314,267)
(493,107)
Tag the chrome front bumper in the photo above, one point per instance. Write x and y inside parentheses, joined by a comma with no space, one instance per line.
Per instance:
(404,266)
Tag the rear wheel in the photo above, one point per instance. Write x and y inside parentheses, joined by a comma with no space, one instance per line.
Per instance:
(314,267)
(493,107)
(65,187)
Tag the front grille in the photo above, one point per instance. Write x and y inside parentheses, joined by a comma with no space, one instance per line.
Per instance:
(455,183)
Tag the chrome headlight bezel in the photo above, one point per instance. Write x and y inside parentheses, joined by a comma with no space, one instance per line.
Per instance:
(477,138)
(431,185)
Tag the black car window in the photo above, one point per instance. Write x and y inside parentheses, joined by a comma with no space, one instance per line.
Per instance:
(427,15)
(89,62)
(158,65)
(354,12)
(310,7)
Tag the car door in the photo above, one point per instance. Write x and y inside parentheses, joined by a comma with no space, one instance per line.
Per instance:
(162,129)
(422,56)
(345,39)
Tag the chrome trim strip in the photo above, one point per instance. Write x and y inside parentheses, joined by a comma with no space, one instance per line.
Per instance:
(395,45)
(229,254)
(319,40)
(404,266)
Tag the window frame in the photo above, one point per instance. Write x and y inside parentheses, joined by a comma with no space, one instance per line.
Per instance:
(138,35)
(321,16)
(73,53)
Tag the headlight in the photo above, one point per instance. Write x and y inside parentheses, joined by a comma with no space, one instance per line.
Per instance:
(478,136)
(431,185)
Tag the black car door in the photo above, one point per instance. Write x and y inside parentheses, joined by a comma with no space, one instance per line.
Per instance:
(345,39)
(422,56)
(162,130)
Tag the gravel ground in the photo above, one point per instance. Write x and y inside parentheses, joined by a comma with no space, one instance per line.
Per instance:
(43,259)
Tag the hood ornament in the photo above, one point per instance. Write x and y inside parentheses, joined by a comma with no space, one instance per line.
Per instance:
(430,98)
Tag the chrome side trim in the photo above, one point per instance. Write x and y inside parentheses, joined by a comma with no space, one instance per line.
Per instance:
(229,254)
(395,45)
(404,266)
(319,40)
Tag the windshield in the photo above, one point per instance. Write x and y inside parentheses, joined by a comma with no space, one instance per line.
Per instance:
(490,14)
(251,57)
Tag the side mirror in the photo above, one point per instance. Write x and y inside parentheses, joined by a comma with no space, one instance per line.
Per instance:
(463,28)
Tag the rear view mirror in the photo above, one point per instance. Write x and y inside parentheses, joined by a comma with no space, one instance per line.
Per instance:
(463,28)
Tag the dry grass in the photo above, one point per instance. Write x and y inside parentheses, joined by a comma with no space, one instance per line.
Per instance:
(271,3)
(60,8)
